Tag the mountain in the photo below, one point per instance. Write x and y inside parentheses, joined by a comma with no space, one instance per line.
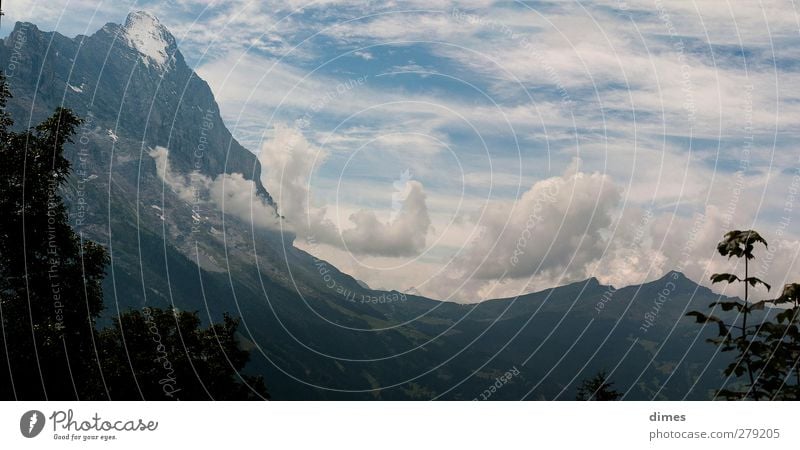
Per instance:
(314,332)
(133,79)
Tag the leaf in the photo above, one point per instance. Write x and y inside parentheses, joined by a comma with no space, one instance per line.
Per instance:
(699,317)
(728,277)
(727,306)
(758,306)
(790,294)
(754,281)
(784,316)
(702,318)
(723,330)
(740,243)
(752,237)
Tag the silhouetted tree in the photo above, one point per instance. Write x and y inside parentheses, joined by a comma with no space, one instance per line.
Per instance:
(779,377)
(766,352)
(50,293)
(51,297)
(597,388)
(158,354)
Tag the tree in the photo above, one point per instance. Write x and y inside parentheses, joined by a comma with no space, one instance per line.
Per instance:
(767,352)
(50,293)
(779,376)
(597,388)
(158,354)
(51,297)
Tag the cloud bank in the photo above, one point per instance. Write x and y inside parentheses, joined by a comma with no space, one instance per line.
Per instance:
(554,227)
(231,193)
(289,160)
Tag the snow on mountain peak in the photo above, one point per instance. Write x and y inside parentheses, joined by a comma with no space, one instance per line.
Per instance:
(145,33)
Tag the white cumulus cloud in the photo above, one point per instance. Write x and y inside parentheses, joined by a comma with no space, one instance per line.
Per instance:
(289,160)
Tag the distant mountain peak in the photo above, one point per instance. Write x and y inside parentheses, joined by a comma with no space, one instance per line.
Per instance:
(144,33)
(674,275)
(22,26)
(677,281)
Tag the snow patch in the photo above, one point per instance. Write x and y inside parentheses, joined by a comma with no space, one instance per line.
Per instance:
(145,33)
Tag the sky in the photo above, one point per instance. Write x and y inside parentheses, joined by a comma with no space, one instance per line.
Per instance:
(484,149)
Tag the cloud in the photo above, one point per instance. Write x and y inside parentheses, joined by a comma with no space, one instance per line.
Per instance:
(289,160)
(231,193)
(628,82)
(236,195)
(554,227)
(364,55)
(179,183)
(402,236)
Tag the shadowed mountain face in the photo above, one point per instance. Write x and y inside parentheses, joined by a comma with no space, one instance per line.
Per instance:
(314,332)
(132,79)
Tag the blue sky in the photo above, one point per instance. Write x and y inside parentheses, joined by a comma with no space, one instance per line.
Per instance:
(506,146)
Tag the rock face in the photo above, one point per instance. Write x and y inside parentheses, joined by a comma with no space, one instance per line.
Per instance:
(143,32)
(133,80)
(314,332)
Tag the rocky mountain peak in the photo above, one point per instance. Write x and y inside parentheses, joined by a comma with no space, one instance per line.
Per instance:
(144,33)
